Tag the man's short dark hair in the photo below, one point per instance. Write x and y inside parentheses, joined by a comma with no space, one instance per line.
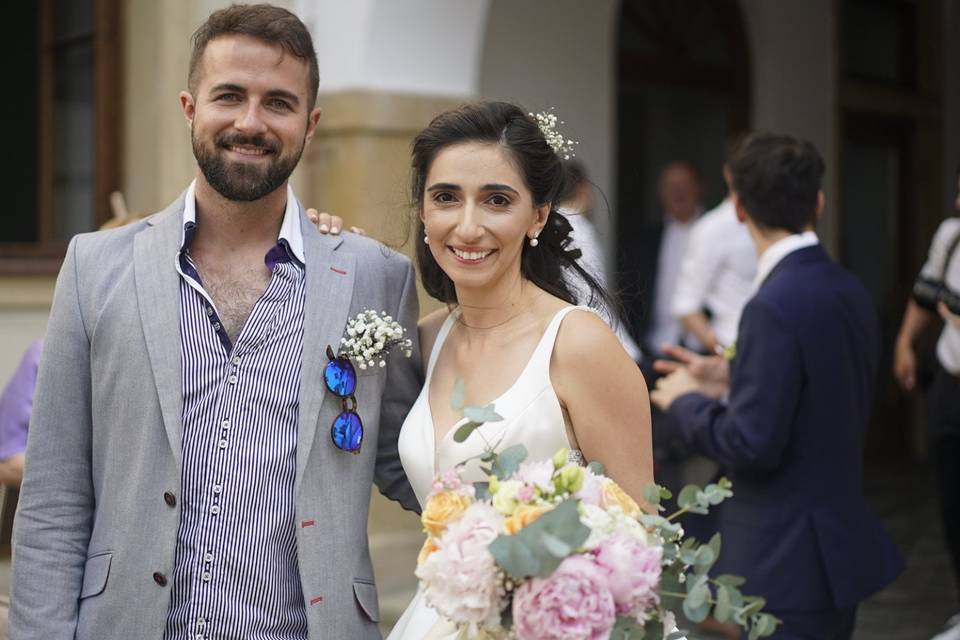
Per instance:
(777,179)
(263,22)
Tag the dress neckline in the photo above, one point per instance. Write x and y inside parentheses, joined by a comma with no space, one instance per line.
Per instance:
(435,356)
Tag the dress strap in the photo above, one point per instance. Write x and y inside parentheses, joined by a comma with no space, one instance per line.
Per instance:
(438,344)
(540,360)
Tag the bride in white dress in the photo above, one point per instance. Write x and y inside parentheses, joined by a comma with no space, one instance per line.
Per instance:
(492,247)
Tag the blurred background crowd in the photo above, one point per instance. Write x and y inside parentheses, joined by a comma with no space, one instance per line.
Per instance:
(655,91)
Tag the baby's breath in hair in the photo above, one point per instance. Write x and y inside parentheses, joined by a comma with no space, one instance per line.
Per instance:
(547,121)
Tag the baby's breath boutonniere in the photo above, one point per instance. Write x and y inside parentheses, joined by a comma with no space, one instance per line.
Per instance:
(371,336)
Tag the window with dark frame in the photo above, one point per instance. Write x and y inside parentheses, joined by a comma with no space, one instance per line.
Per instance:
(66,138)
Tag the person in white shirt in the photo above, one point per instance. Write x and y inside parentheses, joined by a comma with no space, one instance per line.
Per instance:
(578,210)
(943,403)
(680,193)
(716,274)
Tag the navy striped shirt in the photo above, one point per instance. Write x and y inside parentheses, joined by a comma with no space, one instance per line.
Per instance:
(236,571)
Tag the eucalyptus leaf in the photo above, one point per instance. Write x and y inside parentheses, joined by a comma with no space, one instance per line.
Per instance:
(482,490)
(730,580)
(753,604)
(530,552)
(704,559)
(696,613)
(721,610)
(482,414)
(556,546)
(714,545)
(508,461)
(456,397)
(463,432)
(688,496)
(767,624)
(651,493)
(596,468)
(664,527)
(653,630)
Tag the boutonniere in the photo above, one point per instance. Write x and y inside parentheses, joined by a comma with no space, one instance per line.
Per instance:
(369,340)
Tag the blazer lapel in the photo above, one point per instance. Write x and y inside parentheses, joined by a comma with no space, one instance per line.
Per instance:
(329,290)
(158,297)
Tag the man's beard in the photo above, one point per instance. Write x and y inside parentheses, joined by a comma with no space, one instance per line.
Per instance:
(241,181)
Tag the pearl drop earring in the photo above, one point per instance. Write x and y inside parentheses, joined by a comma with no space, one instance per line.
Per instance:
(426,239)
(534,242)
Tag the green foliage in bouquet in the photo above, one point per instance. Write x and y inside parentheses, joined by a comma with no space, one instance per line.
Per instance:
(685,582)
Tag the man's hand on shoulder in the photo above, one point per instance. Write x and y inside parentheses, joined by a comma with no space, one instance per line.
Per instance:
(329,223)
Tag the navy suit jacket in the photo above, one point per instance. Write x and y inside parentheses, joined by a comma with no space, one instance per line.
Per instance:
(791,436)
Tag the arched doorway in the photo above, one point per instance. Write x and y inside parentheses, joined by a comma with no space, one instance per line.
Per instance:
(683,91)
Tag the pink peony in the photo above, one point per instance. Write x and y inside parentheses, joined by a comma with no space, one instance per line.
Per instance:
(460,578)
(632,569)
(574,603)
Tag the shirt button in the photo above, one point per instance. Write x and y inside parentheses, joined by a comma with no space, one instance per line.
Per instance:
(236,361)
(160,579)
(225,424)
(205,576)
(170,499)
(201,622)
(217,489)
(199,636)
(215,509)
(216,326)
(222,444)
(209,311)
(232,379)
(208,558)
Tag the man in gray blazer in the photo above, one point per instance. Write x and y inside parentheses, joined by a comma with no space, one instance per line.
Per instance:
(182,481)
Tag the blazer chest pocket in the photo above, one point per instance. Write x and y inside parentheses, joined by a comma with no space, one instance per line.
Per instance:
(366,594)
(95,574)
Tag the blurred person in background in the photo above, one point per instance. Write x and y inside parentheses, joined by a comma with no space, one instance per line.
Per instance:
(662,248)
(16,403)
(578,209)
(716,274)
(799,393)
(938,289)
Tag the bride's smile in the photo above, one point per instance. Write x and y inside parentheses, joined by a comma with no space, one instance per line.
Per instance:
(477,215)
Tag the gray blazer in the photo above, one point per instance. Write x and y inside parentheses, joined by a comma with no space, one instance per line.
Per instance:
(94,538)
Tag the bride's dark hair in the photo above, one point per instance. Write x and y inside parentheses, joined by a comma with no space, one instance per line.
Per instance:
(543,173)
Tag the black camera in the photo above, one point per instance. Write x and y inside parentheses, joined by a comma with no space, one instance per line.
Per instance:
(927,292)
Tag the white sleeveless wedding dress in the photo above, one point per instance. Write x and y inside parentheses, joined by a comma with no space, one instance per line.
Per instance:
(531,416)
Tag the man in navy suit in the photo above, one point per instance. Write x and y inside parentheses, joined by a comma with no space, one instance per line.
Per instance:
(799,392)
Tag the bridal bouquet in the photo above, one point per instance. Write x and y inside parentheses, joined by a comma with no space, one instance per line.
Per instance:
(553,550)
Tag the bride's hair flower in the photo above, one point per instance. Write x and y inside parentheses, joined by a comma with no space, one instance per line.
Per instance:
(547,121)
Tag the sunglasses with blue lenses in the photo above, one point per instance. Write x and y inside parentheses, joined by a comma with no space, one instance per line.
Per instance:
(341,379)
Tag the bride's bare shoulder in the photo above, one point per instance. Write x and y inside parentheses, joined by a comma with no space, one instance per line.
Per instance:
(428,328)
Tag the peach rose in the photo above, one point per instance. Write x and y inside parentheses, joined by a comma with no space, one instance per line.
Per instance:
(522,516)
(614,496)
(429,546)
(441,509)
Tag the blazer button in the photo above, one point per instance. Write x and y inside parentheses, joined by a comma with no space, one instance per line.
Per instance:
(170,499)
(160,579)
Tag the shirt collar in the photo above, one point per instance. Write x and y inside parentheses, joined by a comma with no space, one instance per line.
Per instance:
(290,236)
(780,250)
